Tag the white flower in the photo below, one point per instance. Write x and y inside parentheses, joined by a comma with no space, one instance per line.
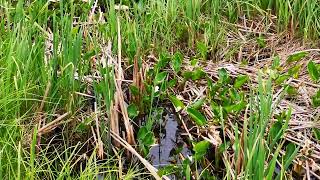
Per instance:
(156,89)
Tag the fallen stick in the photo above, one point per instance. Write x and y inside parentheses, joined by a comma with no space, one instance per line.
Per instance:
(151,169)
(52,124)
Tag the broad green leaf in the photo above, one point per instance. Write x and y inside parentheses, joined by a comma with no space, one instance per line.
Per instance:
(89,54)
(194,62)
(282,78)
(296,57)
(178,105)
(134,90)
(234,95)
(133,111)
(239,106)
(187,74)
(167,170)
(198,74)
(163,61)
(148,140)
(294,71)
(223,76)
(202,49)
(276,63)
(177,61)
(201,148)
(274,131)
(275,134)
(316,133)
(198,118)
(313,71)
(205,174)
(273,73)
(291,91)
(82,128)
(261,42)
(142,132)
(316,99)
(172,82)
(240,80)
(198,103)
(188,172)
(291,151)
(160,77)
(223,147)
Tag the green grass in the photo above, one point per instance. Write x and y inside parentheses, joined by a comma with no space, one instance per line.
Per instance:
(44,42)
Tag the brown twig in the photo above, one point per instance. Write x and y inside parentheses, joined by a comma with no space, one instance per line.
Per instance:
(50,126)
(99,142)
(125,144)
(128,126)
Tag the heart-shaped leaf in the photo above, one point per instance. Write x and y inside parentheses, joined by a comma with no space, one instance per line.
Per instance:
(198,118)
(178,105)
(223,76)
(201,148)
(240,80)
(160,77)
(133,111)
(142,132)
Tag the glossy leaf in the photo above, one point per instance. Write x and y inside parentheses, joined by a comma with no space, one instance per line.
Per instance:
(178,105)
(198,74)
(198,103)
(133,111)
(296,57)
(223,76)
(240,80)
(160,77)
(198,118)
(202,49)
(291,91)
(200,149)
(282,78)
(313,71)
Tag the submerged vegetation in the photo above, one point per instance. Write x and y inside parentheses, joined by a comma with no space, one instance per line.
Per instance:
(87,86)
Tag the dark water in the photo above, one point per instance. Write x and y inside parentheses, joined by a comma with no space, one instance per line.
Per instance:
(160,154)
